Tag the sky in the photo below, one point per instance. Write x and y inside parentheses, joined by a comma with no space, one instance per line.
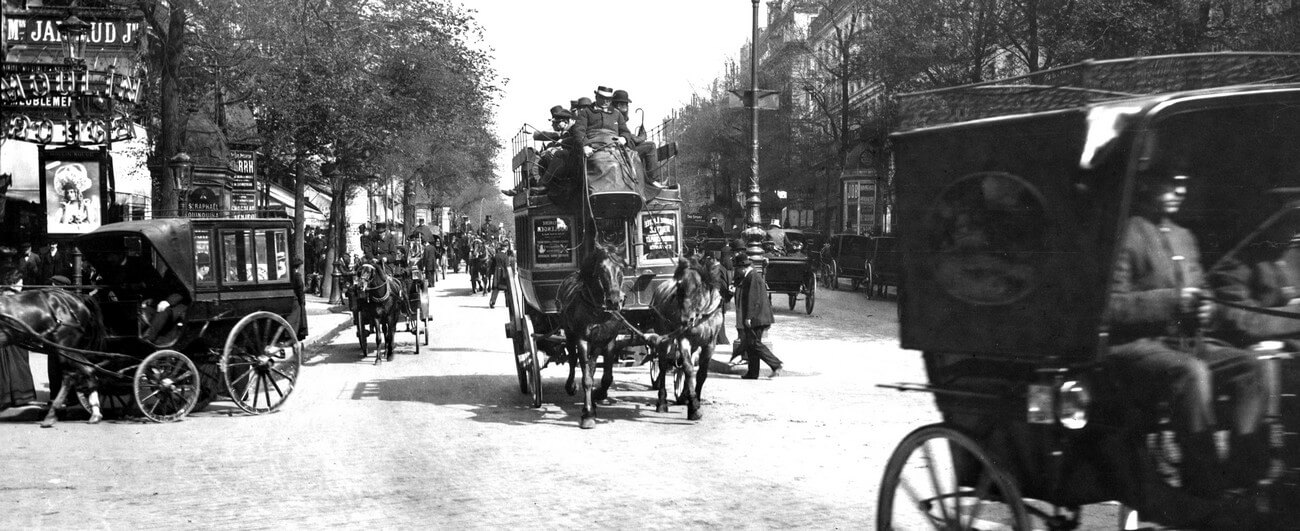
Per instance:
(548,52)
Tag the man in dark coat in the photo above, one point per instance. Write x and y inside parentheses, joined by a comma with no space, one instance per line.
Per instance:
(643,147)
(500,261)
(753,317)
(776,235)
(599,124)
(1154,309)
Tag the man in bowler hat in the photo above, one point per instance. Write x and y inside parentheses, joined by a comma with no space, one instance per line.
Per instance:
(753,317)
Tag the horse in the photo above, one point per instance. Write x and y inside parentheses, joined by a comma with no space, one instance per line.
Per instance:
(689,314)
(585,300)
(50,320)
(479,275)
(380,298)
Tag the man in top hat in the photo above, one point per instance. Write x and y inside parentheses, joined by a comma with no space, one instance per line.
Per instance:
(776,235)
(599,123)
(643,147)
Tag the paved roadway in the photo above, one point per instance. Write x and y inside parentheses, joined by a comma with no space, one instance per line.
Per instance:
(444,439)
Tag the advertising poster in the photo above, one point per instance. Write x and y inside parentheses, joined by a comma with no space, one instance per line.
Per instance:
(659,232)
(72,196)
(553,241)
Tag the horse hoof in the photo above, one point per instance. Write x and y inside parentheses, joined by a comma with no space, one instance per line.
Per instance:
(94,419)
(571,390)
(694,415)
(47,424)
(587,423)
(661,408)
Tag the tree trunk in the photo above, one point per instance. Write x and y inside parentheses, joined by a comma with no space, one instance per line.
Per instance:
(336,232)
(299,212)
(170,140)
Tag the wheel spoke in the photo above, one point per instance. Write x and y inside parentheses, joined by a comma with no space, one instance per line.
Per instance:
(919,502)
(287,378)
(981,494)
(931,466)
(266,389)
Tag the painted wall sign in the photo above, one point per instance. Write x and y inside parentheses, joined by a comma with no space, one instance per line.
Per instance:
(20,30)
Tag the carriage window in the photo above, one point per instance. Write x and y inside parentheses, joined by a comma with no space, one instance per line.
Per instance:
(552,241)
(237,255)
(203,258)
(659,234)
(272,256)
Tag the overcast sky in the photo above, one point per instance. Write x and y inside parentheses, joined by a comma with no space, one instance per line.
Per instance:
(551,51)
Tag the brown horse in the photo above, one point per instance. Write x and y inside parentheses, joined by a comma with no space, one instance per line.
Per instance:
(47,320)
(585,301)
(690,314)
(380,298)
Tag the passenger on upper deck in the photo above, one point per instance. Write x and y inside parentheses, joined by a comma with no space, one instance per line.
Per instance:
(1156,355)
(599,124)
(554,162)
(643,147)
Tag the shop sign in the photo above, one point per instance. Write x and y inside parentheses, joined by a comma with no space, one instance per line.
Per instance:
(22,82)
(24,30)
(68,132)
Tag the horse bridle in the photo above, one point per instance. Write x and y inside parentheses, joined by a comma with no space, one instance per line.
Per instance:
(365,286)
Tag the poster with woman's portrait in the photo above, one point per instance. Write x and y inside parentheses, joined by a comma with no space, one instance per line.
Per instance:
(72,196)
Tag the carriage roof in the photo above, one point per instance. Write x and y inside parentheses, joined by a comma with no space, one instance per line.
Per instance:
(1009,238)
(172,239)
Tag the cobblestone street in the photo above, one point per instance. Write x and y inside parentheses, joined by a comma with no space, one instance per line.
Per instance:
(445,439)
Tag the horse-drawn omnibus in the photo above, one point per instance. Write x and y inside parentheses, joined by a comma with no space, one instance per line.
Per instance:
(621,222)
(184,312)
(1014,199)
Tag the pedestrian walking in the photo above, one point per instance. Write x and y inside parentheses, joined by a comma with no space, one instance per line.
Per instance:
(753,317)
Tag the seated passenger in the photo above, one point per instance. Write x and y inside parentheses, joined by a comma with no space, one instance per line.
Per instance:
(554,161)
(599,124)
(643,147)
(164,317)
(1156,304)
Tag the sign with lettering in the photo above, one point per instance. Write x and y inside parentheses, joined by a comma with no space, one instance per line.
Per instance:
(68,132)
(659,233)
(21,82)
(552,241)
(29,30)
(243,184)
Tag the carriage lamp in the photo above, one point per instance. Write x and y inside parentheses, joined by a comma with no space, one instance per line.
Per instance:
(75,33)
(1066,403)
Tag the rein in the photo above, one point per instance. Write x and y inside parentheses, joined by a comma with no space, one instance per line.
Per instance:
(388,292)
(1256,309)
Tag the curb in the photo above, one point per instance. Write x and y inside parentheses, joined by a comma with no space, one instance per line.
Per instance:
(329,335)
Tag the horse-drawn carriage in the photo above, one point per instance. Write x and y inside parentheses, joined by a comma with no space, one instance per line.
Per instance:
(794,273)
(382,295)
(587,271)
(1009,243)
(185,312)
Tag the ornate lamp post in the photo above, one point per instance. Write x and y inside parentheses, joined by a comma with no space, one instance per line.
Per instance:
(181,169)
(753,217)
(75,33)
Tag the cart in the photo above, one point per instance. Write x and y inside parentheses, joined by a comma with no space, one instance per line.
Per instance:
(414,315)
(847,260)
(237,338)
(1022,212)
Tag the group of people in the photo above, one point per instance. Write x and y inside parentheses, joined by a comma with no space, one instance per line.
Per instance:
(584,127)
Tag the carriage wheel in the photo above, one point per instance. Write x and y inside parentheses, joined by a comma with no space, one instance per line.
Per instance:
(920,487)
(679,374)
(810,298)
(414,323)
(870,281)
(835,276)
(534,367)
(166,386)
(361,332)
(424,314)
(261,361)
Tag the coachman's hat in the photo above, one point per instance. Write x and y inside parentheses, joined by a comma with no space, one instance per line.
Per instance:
(559,112)
(621,96)
(604,92)
(584,102)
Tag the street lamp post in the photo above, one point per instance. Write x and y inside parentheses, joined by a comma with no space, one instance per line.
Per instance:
(181,168)
(75,33)
(753,217)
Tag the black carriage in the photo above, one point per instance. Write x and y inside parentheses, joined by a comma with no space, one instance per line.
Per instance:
(413,313)
(643,223)
(1008,241)
(237,316)
(794,273)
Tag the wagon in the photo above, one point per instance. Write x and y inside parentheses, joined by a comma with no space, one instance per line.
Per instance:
(1009,239)
(794,275)
(846,259)
(238,337)
(643,223)
(413,316)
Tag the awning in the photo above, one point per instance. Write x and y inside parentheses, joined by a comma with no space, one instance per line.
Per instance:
(284,197)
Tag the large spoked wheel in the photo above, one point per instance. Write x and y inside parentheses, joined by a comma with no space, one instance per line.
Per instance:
(834,276)
(939,478)
(424,314)
(515,328)
(166,386)
(533,364)
(810,298)
(261,361)
(417,319)
(870,280)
